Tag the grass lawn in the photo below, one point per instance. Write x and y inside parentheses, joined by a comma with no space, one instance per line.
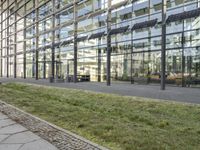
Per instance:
(116,122)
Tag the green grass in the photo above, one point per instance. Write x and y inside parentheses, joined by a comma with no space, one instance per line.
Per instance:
(116,122)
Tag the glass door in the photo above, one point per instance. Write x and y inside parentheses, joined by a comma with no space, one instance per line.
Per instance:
(140,67)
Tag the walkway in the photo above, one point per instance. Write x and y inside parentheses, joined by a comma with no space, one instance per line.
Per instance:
(15,137)
(189,95)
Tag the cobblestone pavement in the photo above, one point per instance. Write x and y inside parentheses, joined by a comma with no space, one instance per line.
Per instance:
(16,137)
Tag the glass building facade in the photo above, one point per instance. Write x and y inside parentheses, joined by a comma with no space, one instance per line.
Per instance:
(98,40)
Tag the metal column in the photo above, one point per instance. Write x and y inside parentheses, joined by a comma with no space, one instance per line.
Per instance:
(99,64)
(75,41)
(149,41)
(7,41)
(183,56)
(163,51)
(183,45)
(15,46)
(98,50)
(44,65)
(37,39)
(108,44)
(132,79)
(53,48)
(1,67)
(24,52)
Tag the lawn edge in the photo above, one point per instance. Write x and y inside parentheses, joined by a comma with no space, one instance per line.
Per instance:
(13,108)
(144,99)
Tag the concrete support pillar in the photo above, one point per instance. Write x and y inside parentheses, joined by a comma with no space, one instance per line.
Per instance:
(163,51)
(108,69)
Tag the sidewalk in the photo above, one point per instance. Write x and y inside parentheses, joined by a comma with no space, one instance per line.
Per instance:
(15,137)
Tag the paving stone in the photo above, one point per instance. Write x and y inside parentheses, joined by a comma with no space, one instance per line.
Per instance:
(23,137)
(2,116)
(2,137)
(16,137)
(6,122)
(38,145)
(10,146)
(12,129)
